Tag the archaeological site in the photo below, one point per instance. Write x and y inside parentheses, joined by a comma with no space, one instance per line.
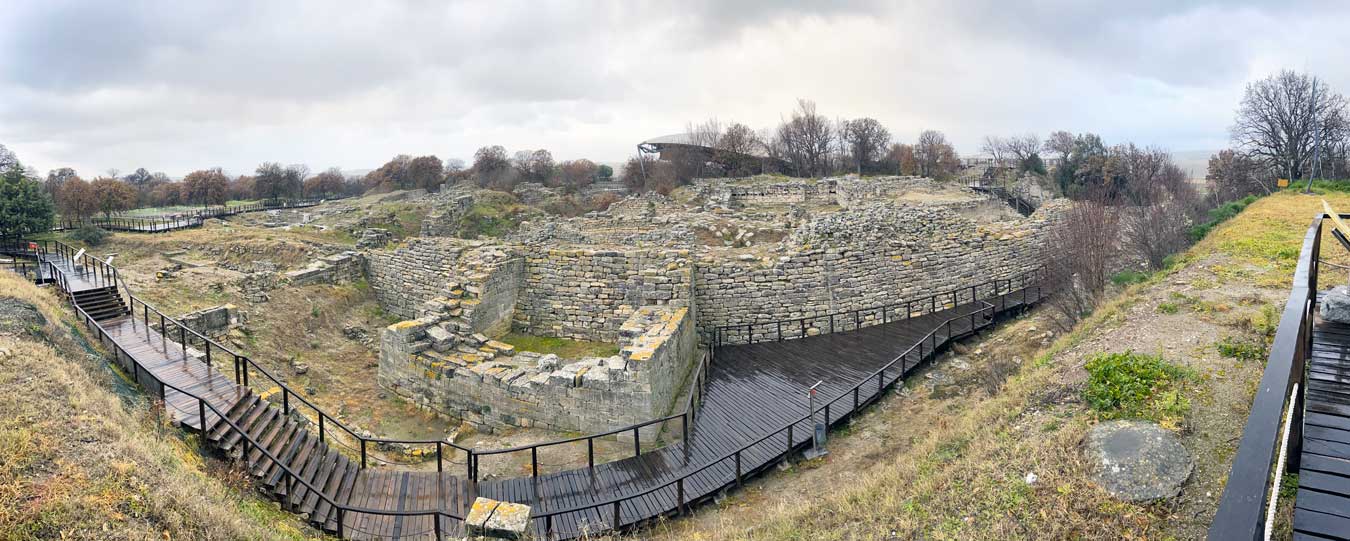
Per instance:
(608,271)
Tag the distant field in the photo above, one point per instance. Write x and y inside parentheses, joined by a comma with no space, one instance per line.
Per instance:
(177,209)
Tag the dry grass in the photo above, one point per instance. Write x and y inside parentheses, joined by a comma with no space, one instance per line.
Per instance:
(954,467)
(78,462)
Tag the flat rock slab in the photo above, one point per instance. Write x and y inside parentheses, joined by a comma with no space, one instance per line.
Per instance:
(498,520)
(1138,461)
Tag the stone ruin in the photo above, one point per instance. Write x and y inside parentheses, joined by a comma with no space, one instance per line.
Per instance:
(446,355)
(655,275)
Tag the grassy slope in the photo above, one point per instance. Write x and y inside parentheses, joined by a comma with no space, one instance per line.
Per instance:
(77,462)
(961,474)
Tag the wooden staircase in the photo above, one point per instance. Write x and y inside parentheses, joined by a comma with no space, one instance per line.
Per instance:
(102,303)
(288,439)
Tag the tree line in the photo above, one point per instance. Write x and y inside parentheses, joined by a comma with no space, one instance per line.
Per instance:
(1288,125)
(806,143)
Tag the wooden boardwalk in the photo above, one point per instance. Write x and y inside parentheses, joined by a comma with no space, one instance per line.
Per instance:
(1322,504)
(753,392)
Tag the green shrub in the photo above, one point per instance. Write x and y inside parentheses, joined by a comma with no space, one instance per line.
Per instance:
(1220,214)
(1136,386)
(1242,350)
(1124,278)
(1168,307)
(91,235)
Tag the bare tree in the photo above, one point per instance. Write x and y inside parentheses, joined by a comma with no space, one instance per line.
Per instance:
(935,156)
(805,140)
(994,146)
(1079,251)
(1022,147)
(1060,143)
(866,140)
(1282,116)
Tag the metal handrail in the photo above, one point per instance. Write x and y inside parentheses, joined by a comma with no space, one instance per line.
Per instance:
(930,302)
(694,398)
(880,374)
(1242,508)
(290,477)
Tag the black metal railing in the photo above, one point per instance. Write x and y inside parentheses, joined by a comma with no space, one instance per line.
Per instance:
(851,320)
(930,343)
(1242,513)
(863,393)
(686,418)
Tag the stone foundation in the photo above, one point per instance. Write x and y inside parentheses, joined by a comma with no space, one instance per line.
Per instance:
(489,384)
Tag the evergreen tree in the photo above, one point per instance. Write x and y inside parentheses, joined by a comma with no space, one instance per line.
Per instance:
(24,207)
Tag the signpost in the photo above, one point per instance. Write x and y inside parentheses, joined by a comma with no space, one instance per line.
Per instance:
(818,430)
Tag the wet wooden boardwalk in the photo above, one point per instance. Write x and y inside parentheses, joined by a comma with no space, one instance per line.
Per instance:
(752,393)
(1322,504)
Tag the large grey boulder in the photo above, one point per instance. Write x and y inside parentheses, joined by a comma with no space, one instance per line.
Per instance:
(1336,305)
(1138,461)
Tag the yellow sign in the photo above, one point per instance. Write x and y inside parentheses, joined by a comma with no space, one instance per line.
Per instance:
(1283,182)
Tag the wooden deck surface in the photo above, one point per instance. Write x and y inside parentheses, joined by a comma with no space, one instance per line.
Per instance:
(752,391)
(1322,504)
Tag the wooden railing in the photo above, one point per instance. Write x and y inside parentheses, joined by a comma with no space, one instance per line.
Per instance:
(1243,509)
(182,220)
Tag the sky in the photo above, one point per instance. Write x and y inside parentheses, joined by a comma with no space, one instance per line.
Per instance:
(179,86)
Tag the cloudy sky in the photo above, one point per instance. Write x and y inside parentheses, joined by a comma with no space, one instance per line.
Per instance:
(177,86)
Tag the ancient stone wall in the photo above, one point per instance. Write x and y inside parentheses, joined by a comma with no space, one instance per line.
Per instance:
(588,294)
(490,385)
(867,264)
(407,276)
(334,269)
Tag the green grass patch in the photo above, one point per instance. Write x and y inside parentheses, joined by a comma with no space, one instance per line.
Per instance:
(1133,385)
(1124,278)
(1168,308)
(1242,350)
(562,347)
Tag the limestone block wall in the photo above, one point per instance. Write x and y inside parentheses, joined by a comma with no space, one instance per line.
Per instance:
(588,294)
(509,389)
(495,289)
(333,269)
(943,252)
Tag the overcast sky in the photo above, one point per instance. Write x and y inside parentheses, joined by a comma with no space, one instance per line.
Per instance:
(177,86)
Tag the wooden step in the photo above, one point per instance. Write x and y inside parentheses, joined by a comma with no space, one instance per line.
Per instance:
(255,424)
(241,408)
(277,447)
(322,476)
(275,431)
(293,454)
(308,471)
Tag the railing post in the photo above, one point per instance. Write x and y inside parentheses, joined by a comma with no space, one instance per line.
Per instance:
(780,331)
(437,523)
(363,453)
(321,439)
(789,439)
(285,400)
(738,467)
(468,465)
(534,461)
(684,428)
(679,495)
(440,468)
(637,442)
(615,524)
(590,453)
(201,416)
